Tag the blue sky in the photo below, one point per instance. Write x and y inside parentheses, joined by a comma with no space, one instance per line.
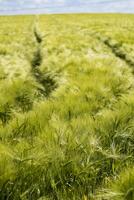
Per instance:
(65,6)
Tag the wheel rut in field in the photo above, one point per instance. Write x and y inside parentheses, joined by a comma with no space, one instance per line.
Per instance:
(118,50)
(47,80)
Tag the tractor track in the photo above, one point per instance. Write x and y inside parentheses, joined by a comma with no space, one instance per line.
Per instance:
(118,50)
(46,80)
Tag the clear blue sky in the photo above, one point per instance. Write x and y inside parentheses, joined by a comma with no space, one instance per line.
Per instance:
(65,6)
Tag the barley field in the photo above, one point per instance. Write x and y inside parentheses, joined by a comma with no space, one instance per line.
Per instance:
(67,107)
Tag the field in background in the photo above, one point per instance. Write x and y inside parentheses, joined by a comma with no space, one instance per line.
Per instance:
(67,107)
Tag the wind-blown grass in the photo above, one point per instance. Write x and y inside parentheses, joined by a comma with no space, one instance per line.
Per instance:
(66,108)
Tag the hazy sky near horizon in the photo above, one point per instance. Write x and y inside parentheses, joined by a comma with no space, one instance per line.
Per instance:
(64,6)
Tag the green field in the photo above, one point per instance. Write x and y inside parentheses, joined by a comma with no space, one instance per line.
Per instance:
(67,107)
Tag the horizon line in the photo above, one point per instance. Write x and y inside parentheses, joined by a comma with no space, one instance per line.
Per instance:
(66,13)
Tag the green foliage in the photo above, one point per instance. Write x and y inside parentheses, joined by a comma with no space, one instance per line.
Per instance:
(120,189)
(37,58)
(5,113)
(67,107)
(37,36)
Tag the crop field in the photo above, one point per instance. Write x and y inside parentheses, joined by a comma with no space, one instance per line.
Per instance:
(67,107)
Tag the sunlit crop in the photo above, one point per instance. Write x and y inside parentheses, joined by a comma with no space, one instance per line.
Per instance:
(67,107)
